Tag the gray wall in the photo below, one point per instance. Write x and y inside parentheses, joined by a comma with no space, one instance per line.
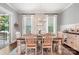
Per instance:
(69,16)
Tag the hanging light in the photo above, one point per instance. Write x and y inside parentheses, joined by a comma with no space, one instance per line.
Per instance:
(40,13)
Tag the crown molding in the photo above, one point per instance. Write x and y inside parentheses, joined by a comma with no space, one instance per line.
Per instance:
(66,7)
(36,13)
(13,8)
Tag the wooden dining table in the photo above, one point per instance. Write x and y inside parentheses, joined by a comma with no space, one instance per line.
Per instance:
(55,40)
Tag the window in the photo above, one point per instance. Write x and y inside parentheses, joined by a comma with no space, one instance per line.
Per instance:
(52,24)
(26,24)
(4,31)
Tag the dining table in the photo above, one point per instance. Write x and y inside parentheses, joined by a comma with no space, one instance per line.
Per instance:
(55,40)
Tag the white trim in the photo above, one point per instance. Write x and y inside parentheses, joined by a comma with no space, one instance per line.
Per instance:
(7,13)
(47,23)
(10,29)
(13,8)
(4,14)
(5,10)
(23,24)
(55,24)
(16,10)
(67,7)
(31,22)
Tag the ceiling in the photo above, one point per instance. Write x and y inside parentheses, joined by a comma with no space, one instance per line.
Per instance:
(38,7)
(2,11)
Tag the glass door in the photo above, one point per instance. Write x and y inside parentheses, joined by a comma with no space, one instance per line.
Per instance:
(4,31)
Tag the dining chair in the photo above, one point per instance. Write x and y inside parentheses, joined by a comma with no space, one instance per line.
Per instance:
(60,37)
(18,36)
(31,43)
(47,42)
(20,46)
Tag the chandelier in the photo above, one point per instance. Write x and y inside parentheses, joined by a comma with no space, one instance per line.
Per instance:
(40,18)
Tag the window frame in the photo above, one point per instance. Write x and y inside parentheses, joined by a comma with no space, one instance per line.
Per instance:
(54,17)
(8,31)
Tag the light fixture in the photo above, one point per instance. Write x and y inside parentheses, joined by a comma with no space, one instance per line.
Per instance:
(16,24)
(40,18)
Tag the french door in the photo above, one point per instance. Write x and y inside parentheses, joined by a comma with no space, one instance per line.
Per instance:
(4,30)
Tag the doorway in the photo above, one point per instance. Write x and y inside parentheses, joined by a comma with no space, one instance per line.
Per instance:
(4,31)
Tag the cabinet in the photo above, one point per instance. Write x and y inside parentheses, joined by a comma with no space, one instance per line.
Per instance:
(77,43)
(72,40)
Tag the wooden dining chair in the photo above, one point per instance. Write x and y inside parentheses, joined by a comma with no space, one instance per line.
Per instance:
(60,37)
(31,43)
(20,46)
(47,42)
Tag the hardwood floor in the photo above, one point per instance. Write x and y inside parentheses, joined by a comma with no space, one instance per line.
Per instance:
(66,50)
(71,50)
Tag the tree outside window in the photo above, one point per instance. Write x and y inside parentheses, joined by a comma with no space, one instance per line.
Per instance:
(4,23)
(4,30)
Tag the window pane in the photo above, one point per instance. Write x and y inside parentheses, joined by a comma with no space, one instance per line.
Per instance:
(50,28)
(28,21)
(50,23)
(4,31)
(28,29)
(28,24)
